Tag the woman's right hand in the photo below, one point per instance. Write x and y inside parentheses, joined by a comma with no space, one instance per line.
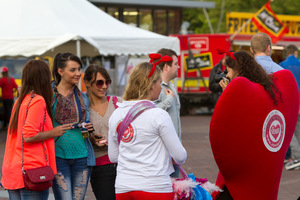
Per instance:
(169,92)
(61,130)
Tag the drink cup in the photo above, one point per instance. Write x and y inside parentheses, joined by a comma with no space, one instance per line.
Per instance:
(84,133)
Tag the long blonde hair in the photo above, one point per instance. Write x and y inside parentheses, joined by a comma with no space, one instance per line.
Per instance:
(139,84)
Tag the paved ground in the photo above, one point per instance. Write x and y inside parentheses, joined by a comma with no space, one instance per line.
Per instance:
(200,159)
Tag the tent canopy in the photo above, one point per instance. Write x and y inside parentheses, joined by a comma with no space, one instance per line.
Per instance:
(33,27)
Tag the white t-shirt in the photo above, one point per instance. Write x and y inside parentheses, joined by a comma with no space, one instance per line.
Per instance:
(144,154)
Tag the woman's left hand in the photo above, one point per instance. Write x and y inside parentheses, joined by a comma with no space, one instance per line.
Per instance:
(223,83)
(89,126)
(99,140)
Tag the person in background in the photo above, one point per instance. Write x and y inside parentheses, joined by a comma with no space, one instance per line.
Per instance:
(103,175)
(8,86)
(150,143)
(74,152)
(214,86)
(261,47)
(293,64)
(292,57)
(168,99)
(36,90)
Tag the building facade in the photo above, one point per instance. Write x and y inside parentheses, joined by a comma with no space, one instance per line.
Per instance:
(159,16)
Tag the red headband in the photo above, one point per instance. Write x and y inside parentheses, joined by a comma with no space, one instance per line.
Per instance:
(222,51)
(156,56)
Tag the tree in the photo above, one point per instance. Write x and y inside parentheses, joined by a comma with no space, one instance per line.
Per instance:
(199,23)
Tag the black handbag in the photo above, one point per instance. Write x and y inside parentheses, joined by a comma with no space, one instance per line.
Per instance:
(40,178)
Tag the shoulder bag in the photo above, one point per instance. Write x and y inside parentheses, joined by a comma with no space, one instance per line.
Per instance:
(40,178)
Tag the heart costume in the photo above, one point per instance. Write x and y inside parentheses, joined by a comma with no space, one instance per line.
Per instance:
(250,135)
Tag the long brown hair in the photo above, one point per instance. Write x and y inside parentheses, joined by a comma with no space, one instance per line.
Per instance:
(247,67)
(36,76)
(139,84)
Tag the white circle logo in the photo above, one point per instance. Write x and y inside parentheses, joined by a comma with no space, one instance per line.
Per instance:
(274,130)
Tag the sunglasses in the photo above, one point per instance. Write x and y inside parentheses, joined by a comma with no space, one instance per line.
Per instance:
(100,83)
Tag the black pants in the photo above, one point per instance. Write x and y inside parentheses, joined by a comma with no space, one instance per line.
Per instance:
(288,153)
(7,104)
(103,180)
(225,195)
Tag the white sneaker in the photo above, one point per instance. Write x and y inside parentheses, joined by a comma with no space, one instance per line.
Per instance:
(292,164)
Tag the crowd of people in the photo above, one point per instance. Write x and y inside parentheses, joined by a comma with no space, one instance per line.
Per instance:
(128,147)
(78,130)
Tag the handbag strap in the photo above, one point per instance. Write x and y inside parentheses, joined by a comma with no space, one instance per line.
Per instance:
(135,111)
(182,172)
(32,95)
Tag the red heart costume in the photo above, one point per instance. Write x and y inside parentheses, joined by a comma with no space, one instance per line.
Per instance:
(250,135)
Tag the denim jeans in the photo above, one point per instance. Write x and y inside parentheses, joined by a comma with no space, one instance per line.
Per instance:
(71,180)
(22,194)
(103,180)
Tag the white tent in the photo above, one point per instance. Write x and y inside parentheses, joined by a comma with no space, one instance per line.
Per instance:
(33,27)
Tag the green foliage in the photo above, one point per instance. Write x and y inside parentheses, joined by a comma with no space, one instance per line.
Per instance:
(199,24)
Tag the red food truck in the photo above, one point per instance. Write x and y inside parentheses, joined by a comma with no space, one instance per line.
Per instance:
(197,57)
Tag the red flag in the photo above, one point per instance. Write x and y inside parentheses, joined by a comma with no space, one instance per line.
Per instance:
(267,22)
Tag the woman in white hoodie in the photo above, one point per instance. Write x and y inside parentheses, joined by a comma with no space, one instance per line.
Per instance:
(149,144)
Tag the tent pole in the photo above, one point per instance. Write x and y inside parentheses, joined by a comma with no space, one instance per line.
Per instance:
(124,74)
(78,47)
(79,56)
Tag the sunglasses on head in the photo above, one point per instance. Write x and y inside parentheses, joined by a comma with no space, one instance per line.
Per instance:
(100,83)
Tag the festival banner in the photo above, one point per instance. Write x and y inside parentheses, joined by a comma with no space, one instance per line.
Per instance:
(267,22)
(235,20)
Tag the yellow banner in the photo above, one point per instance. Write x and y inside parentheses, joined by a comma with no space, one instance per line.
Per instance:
(234,20)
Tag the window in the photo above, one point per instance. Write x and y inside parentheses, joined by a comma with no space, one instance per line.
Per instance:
(160,21)
(113,12)
(130,16)
(146,21)
(173,21)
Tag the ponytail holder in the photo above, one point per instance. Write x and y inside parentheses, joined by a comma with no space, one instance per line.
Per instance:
(166,59)
(153,56)
(156,56)
(230,54)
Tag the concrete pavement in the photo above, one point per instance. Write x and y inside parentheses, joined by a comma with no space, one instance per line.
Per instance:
(200,161)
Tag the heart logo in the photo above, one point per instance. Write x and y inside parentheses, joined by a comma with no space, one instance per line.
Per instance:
(275,130)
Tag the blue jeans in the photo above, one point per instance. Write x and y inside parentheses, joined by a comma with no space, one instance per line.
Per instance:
(72,179)
(22,194)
